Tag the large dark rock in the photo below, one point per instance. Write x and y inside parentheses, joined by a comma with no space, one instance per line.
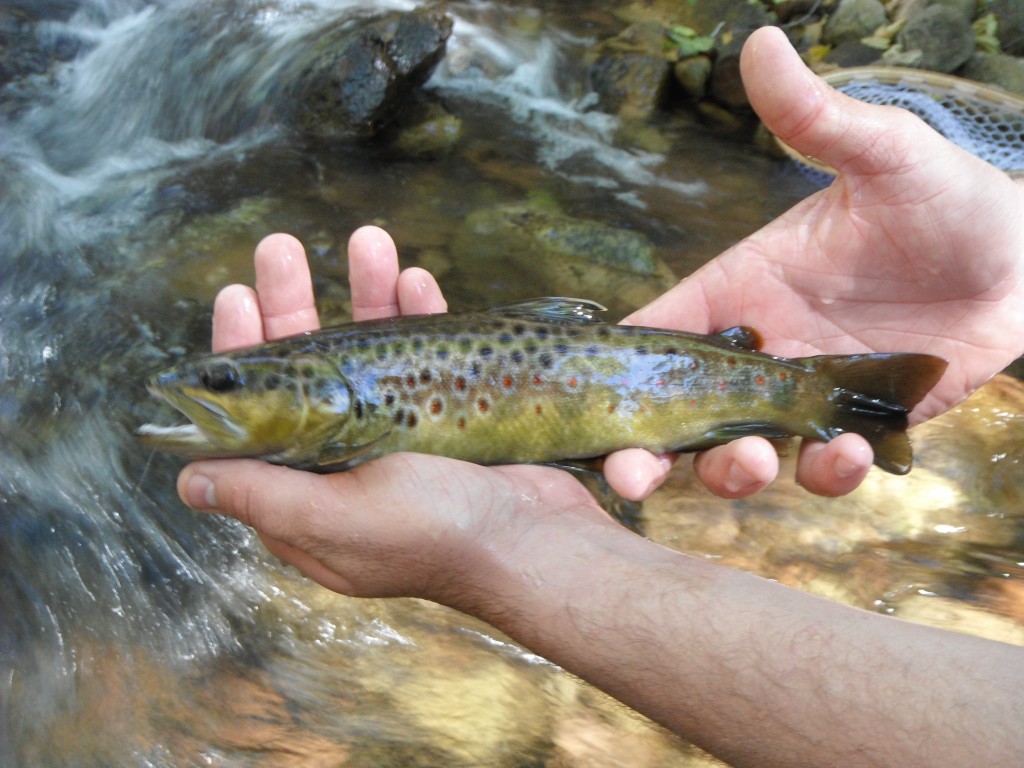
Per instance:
(355,84)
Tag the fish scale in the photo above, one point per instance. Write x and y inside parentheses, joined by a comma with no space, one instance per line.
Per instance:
(538,381)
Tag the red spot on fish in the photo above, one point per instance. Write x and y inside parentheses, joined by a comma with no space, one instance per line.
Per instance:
(483,405)
(460,383)
(410,381)
(436,406)
(722,386)
(462,422)
(611,407)
(731,362)
(507,382)
(783,376)
(693,403)
(759,380)
(538,409)
(573,382)
(537,379)
(661,382)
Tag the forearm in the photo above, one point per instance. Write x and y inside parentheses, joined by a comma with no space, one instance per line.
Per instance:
(756,673)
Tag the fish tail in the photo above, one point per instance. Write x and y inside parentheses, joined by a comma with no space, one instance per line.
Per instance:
(873,395)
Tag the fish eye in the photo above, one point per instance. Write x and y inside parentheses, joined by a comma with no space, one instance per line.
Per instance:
(220,377)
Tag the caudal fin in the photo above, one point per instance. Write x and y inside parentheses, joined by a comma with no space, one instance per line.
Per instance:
(873,395)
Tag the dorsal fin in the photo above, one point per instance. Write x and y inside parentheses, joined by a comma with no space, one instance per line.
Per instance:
(555,308)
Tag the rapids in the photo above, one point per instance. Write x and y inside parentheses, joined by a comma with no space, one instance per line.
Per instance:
(137,172)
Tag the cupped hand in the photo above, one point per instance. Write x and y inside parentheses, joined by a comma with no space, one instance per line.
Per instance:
(405,524)
(917,246)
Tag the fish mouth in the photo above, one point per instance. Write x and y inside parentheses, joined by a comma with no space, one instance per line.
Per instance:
(191,440)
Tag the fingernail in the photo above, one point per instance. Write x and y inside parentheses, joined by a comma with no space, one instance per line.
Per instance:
(737,479)
(844,468)
(200,492)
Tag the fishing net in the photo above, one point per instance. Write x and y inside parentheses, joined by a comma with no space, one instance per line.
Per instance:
(984,120)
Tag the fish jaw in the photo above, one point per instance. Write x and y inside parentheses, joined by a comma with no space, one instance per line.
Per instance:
(191,440)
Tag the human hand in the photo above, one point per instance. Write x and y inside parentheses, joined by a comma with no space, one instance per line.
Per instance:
(404,524)
(916,247)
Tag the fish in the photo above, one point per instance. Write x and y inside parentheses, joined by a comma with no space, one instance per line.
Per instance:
(539,381)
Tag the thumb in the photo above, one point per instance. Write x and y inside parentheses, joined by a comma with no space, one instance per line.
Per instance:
(269,498)
(812,117)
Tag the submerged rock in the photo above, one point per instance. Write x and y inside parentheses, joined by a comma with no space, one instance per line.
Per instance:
(554,253)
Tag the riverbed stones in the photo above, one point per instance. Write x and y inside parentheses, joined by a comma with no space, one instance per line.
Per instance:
(996,69)
(1009,24)
(938,38)
(853,20)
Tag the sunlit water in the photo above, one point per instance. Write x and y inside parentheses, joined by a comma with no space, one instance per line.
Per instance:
(135,182)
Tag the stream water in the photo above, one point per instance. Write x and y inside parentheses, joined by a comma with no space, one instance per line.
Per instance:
(135,179)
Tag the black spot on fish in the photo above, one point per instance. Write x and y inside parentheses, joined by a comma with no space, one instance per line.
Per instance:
(441,353)
(426,376)
(272,382)
(561,348)
(362,343)
(592,351)
(417,343)
(517,356)
(382,351)
(505,338)
(389,398)
(399,416)
(357,408)
(486,351)
(546,360)
(541,333)
(604,332)
(671,351)
(518,329)
(475,369)
(411,420)
(640,349)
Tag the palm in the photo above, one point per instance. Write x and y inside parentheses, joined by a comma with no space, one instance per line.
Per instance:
(910,241)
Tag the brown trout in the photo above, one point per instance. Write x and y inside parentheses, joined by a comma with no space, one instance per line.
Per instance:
(535,382)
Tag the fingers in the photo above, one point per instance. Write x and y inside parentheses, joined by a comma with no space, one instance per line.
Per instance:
(741,468)
(378,289)
(634,473)
(236,319)
(834,468)
(373,274)
(746,466)
(419,293)
(285,287)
